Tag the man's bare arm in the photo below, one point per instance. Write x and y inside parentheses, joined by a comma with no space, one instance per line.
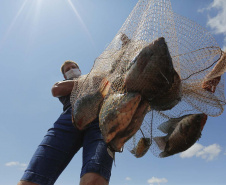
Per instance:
(62,88)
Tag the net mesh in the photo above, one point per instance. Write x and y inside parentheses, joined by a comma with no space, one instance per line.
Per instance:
(195,56)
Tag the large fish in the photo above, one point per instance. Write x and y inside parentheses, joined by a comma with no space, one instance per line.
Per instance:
(116,113)
(170,98)
(153,75)
(87,107)
(181,132)
(123,136)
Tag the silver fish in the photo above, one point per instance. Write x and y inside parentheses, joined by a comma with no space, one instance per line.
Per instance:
(181,132)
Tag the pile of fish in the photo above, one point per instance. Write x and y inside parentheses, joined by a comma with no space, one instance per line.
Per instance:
(151,83)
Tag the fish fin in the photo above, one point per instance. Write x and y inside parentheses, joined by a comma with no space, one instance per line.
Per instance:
(163,154)
(165,127)
(133,151)
(161,142)
(104,87)
(112,154)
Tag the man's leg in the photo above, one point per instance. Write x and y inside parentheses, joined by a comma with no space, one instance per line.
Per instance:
(26,183)
(97,163)
(93,179)
(54,153)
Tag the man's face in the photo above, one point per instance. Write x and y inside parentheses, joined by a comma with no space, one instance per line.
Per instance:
(69,66)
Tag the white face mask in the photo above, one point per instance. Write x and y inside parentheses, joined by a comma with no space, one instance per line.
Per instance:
(72,73)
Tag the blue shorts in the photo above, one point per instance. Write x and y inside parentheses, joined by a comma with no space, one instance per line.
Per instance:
(59,146)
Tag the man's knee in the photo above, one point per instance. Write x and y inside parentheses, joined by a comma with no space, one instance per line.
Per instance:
(26,183)
(93,179)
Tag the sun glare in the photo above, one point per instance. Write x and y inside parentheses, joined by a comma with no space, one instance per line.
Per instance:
(31,11)
(12,23)
(37,5)
(81,21)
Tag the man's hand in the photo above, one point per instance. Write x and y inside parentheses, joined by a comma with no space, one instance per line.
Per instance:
(211,85)
(62,88)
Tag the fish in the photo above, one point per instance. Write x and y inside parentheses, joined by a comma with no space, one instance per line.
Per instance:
(152,74)
(170,98)
(87,107)
(116,113)
(181,132)
(123,136)
(142,147)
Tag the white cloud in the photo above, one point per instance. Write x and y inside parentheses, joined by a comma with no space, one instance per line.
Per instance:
(217,22)
(208,153)
(192,151)
(22,166)
(154,180)
(13,163)
(128,179)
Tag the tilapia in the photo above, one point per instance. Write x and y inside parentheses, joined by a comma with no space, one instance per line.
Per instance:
(116,113)
(123,136)
(142,147)
(87,107)
(181,132)
(153,75)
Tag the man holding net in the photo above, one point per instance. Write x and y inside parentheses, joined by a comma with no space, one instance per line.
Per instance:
(63,141)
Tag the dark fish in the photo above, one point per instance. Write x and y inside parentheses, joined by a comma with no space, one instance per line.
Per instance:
(116,113)
(170,98)
(152,74)
(181,132)
(142,147)
(86,108)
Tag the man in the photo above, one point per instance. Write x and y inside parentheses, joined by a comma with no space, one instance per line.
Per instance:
(63,141)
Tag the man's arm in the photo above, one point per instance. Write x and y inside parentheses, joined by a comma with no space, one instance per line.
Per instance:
(62,88)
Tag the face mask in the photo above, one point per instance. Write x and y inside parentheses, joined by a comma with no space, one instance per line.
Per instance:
(73,73)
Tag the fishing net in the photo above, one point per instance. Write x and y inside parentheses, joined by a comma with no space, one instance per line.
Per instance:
(194,54)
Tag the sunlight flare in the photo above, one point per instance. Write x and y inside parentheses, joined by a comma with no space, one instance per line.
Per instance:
(81,21)
(13,23)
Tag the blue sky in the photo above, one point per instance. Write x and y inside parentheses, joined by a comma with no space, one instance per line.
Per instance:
(36,36)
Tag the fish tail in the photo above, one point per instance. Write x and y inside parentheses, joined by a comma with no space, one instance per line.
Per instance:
(104,87)
(166,126)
